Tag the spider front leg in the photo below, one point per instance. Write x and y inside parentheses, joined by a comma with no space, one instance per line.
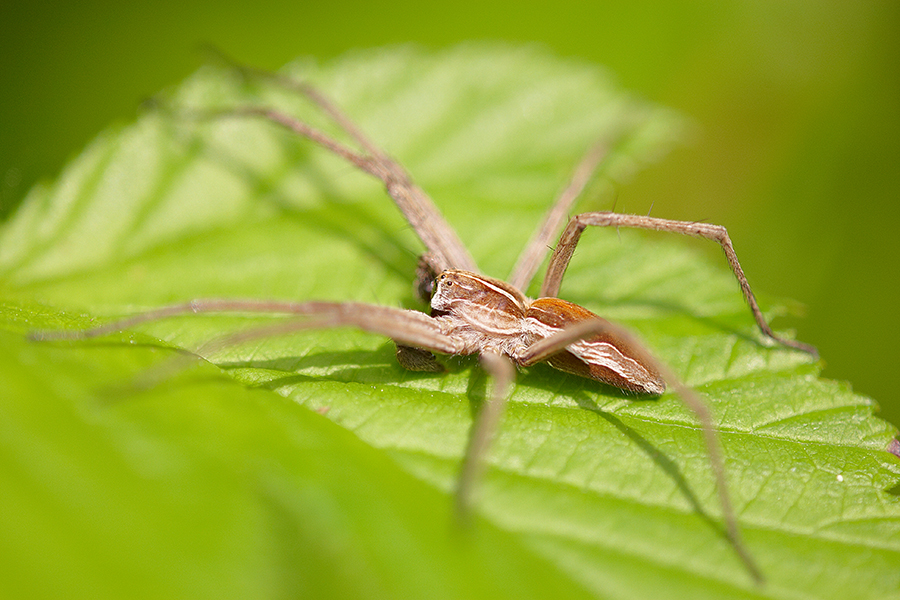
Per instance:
(443,244)
(416,334)
(406,327)
(562,254)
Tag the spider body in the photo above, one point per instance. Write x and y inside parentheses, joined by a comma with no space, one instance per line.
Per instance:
(488,315)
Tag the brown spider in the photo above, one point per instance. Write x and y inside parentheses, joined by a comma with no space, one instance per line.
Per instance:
(472,314)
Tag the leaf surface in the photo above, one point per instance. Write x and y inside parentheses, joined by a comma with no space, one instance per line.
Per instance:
(313,463)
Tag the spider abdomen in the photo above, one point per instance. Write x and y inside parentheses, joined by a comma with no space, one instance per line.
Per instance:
(606,356)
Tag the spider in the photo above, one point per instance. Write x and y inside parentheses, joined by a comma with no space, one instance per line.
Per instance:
(473,314)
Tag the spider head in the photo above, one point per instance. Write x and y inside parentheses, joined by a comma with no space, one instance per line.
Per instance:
(445,289)
(459,292)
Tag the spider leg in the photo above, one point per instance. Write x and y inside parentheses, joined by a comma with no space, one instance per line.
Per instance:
(165,312)
(484,428)
(417,359)
(533,255)
(415,333)
(547,347)
(422,333)
(301,87)
(562,254)
(417,207)
(407,327)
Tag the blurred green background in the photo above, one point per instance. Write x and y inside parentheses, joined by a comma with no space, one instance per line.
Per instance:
(797,107)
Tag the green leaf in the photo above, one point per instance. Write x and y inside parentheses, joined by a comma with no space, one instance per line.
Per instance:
(313,463)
